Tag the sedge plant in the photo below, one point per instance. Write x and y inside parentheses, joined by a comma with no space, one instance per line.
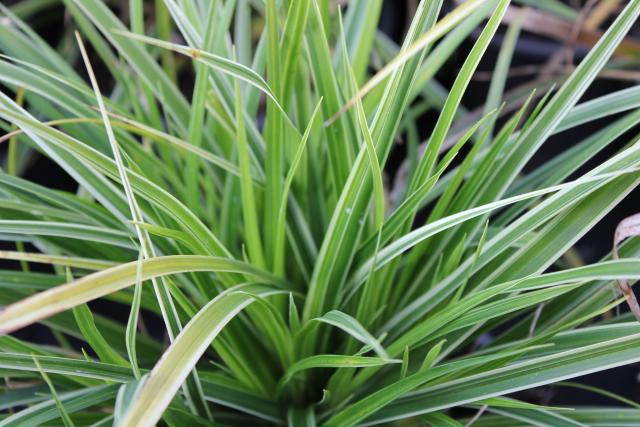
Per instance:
(233,200)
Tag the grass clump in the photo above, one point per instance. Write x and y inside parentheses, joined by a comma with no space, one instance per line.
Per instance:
(257,268)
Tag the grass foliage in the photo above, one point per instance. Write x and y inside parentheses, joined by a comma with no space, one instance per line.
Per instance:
(269,270)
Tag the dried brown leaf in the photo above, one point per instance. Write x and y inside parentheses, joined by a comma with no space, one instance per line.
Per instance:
(629,227)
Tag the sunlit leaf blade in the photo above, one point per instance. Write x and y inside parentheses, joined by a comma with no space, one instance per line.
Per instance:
(446,24)
(104,282)
(165,379)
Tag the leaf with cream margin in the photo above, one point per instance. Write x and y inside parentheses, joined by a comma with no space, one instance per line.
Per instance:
(159,388)
(440,29)
(96,285)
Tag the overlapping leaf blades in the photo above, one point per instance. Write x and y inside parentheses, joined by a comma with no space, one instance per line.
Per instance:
(307,295)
